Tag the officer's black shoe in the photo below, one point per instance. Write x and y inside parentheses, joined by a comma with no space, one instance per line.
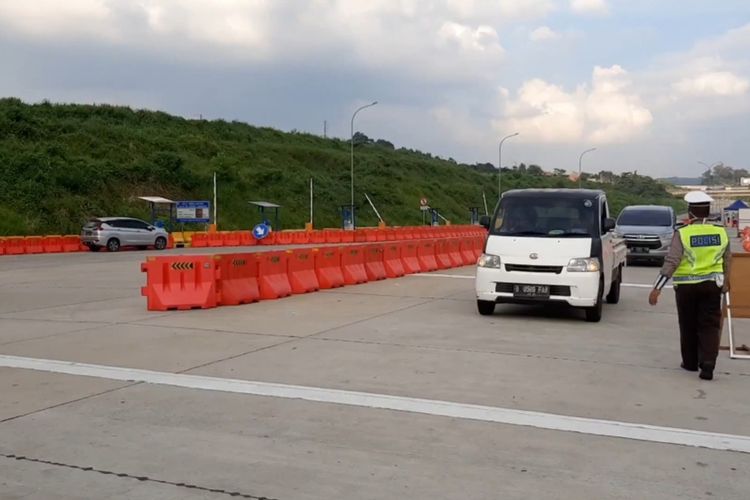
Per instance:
(707,372)
(689,368)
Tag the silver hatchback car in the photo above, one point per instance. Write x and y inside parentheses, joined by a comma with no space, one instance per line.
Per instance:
(114,233)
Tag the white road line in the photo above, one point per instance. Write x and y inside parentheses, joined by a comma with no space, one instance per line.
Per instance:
(465,277)
(609,428)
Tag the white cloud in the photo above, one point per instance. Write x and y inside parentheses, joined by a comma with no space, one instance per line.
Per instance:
(716,83)
(542,34)
(482,38)
(608,112)
(598,7)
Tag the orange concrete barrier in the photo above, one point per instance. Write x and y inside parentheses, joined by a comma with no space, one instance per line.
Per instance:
(454,252)
(200,240)
(284,238)
(332,235)
(2,246)
(409,257)
(52,244)
(185,282)
(374,263)
(247,239)
(230,238)
(71,243)
(353,265)
(301,270)
(347,236)
(269,240)
(394,266)
(360,236)
(478,246)
(215,239)
(441,254)
(33,244)
(426,256)
(273,278)
(466,247)
(237,279)
(301,237)
(15,245)
(390,234)
(317,237)
(328,267)
(380,235)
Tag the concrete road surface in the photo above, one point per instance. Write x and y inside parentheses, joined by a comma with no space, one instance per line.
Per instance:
(395,389)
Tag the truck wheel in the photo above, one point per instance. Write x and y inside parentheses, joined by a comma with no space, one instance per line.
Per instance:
(485,307)
(594,314)
(613,297)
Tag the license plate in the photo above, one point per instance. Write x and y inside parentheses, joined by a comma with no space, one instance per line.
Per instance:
(640,250)
(531,291)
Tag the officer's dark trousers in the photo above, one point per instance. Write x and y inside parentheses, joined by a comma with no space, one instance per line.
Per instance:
(699,313)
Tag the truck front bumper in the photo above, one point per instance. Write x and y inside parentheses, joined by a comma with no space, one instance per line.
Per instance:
(578,289)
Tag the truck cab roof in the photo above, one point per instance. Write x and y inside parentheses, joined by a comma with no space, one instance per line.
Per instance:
(581,194)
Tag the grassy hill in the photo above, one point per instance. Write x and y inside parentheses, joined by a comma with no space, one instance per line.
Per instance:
(60,164)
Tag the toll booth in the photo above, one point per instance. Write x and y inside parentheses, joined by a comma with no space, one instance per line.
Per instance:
(162,211)
(348,217)
(265,208)
(474,216)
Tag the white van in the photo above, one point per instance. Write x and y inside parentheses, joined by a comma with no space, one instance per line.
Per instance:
(551,245)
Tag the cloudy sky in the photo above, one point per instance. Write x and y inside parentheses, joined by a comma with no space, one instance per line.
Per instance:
(655,86)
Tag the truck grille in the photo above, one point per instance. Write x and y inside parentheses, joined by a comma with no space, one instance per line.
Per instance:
(521,268)
(556,290)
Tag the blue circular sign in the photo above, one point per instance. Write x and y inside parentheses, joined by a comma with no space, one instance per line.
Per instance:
(260,231)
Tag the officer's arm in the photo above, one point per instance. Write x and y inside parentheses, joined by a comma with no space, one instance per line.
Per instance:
(727,267)
(671,262)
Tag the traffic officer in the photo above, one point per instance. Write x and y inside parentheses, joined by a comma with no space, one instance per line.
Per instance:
(698,263)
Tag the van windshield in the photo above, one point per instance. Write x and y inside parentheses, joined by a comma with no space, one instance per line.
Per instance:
(551,217)
(645,217)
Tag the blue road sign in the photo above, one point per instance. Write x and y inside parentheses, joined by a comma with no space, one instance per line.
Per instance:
(260,231)
(193,211)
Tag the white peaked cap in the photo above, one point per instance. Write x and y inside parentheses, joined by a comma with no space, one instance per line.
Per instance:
(698,198)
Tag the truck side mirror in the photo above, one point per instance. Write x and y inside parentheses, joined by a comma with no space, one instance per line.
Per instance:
(609,224)
(484,221)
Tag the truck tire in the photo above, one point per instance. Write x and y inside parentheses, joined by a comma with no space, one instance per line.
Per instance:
(486,307)
(594,314)
(613,297)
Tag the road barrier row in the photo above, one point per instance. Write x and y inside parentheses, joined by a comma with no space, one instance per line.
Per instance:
(207,281)
(19,245)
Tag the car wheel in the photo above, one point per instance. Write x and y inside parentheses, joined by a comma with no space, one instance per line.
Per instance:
(485,307)
(161,243)
(113,245)
(594,314)
(613,297)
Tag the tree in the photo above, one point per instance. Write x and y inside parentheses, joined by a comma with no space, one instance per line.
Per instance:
(559,172)
(535,170)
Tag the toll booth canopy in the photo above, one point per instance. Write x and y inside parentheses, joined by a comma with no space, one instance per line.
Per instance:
(161,208)
(267,205)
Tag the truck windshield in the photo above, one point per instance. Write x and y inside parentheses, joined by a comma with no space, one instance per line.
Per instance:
(645,217)
(550,217)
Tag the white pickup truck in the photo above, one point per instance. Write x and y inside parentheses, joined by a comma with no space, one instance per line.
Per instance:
(551,245)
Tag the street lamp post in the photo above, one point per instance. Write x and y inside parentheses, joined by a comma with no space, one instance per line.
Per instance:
(580,179)
(500,166)
(352,150)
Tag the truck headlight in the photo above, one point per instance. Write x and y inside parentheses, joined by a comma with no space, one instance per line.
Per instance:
(587,265)
(490,261)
